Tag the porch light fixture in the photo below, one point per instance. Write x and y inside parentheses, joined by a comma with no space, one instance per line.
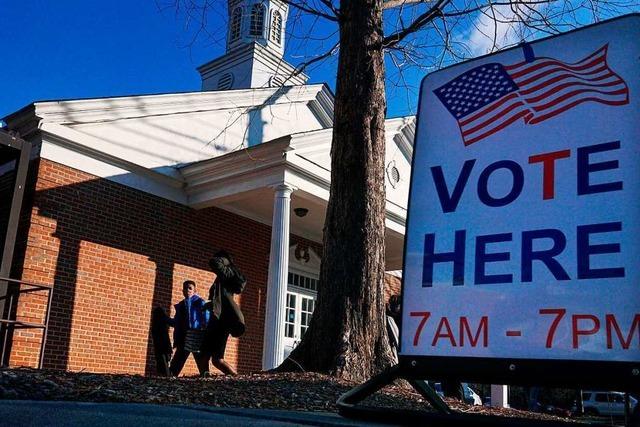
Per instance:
(301,212)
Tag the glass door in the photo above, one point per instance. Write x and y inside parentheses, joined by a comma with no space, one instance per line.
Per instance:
(301,299)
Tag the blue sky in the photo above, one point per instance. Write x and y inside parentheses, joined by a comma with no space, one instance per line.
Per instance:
(69,49)
(75,49)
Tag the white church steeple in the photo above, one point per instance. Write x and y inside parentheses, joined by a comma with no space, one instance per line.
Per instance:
(255,49)
(260,21)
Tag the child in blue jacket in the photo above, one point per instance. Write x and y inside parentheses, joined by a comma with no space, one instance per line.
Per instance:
(189,325)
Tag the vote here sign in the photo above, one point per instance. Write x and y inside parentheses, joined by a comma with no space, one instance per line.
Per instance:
(523,238)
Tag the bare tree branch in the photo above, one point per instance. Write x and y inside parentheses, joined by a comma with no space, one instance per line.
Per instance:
(331,7)
(390,4)
(417,24)
(301,67)
(312,11)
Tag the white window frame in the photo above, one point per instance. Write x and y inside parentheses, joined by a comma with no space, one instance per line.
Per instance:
(276,30)
(310,269)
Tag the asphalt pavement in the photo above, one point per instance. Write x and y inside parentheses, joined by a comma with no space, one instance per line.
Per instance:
(19,413)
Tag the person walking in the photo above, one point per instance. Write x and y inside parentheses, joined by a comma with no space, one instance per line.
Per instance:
(392,312)
(161,342)
(189,325)
(226,317)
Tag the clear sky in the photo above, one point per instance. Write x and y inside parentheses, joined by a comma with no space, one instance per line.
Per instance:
(69,49)
(78,49)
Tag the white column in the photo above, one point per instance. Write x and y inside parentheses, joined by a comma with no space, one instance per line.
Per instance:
(273,348)
(499,396)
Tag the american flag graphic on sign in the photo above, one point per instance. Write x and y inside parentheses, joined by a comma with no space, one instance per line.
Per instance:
(490,97)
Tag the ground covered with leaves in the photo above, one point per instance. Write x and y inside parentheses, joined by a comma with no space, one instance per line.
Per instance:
(285,391)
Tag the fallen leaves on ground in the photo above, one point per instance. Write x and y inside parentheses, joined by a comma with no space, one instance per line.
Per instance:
(286,391)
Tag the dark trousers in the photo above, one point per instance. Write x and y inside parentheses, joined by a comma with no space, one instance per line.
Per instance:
(162,364)
(180,357)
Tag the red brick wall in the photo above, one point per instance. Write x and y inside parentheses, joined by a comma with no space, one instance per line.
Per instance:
(113,253)
(393,286)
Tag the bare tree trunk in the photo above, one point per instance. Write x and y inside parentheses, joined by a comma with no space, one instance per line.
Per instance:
(348,337)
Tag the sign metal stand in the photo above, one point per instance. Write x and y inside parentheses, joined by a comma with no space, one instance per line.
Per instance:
(442,414)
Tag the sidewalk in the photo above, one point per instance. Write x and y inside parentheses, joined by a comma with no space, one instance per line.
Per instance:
(18,413)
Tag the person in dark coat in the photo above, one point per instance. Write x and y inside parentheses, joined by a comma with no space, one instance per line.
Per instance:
(226,317)
(189,326)
(392,312)
(161,341)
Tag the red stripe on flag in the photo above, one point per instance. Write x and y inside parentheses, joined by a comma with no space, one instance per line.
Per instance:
(563,77)
(558,88)
(538,119)
(548,63)
(523,113)
(566,96)
(547,72)
(493,118)
(489,108)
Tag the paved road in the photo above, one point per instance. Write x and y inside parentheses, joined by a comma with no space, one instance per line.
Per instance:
(20,413)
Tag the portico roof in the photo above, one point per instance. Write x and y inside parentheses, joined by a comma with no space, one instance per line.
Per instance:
(242,182)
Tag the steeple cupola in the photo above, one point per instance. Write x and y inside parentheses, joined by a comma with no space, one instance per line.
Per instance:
(260,21)
(255,48)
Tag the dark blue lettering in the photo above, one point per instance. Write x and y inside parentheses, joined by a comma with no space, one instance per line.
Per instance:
(516,188)
(482,257)
(448,202)
(547,256)
(585,250)
(430,258)
(585,168)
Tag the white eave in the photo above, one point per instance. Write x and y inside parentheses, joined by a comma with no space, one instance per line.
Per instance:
(100,110)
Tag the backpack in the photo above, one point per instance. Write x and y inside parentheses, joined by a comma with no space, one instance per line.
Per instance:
(237,282)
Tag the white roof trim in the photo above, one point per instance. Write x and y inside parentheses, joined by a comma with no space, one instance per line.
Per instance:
(404,132)
(85,144)
(129,107)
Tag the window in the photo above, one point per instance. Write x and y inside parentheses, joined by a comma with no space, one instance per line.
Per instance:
(225,81)
(257,20)
(602,397)
(236,24)
(276,81)
(301,301)
(303,282)
(308,304)
(393,174)
(290,316)
(276,27)
(297,317)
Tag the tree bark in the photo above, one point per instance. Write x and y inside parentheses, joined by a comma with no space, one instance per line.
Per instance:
(347,337)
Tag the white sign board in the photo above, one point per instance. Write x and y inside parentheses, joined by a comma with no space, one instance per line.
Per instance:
(523,236)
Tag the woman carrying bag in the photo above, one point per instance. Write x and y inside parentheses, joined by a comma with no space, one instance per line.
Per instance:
(226,318)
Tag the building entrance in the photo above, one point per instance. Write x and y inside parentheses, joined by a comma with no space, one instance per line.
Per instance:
(302,290)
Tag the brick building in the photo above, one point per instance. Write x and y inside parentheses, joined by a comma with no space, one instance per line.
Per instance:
(127,197)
